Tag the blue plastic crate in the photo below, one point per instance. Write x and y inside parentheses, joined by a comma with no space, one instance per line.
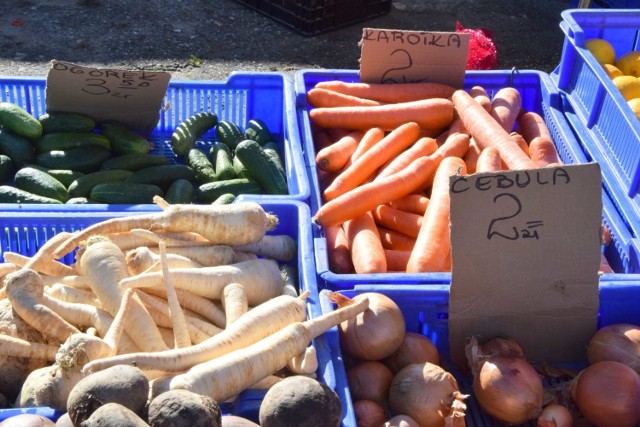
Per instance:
(539,95)
(243,96)
(24,232)
(426,311)
(604,122)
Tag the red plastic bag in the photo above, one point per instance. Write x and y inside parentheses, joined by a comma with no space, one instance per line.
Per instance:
(483,54)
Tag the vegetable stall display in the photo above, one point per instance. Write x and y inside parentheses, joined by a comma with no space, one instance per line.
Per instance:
(95,316)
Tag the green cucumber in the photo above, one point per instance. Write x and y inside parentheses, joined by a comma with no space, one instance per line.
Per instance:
(65,176)
(40,183)
(85,159)
(224,199)
(229,134)
(125,193)
(201,165)
(66,122)
(81,187)
(7,168)
(162,175)
(135,161)
(239,169)
(184,137)
(209,192)
(16,119)
(67,140)
(180,191)
(258,130)
(221,157)
(261,168)
(17,147)
(78,201)
(11,194)
(273,151)
(124,140)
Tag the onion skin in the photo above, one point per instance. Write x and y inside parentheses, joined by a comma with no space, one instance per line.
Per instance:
(369,413)
(505,347)
(555,415)
(428,394)
(401,421)
(607,394)
(369,380)
(508,389)
(375,333)
(415,348)
(619,342)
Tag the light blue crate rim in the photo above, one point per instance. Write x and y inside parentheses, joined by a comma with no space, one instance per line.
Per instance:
(598,108)
(243,96)
(539,94)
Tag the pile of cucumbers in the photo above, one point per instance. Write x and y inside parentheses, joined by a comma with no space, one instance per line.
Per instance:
(67,158)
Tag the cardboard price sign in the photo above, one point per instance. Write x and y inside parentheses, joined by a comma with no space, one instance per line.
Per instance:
(525,251)
(133,98)
(396,56)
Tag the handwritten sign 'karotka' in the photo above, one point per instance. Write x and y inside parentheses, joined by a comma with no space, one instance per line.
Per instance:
(133,98)
(525,251)
(398,56)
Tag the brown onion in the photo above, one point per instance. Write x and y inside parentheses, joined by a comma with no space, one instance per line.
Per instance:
(499,346)
(619,342)
(369,380)
(369,413)
(415,348)
(375,333)
(608,394)
(508,389)
(401,421)
(428,394)
(555,415)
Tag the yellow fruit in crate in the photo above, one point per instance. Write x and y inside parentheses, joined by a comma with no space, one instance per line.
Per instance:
(629,64)
(612,71)
(635,106)
(602,50)
(628,86)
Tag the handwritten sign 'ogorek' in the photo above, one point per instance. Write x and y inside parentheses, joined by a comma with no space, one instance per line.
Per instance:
(133,98)
(397,56)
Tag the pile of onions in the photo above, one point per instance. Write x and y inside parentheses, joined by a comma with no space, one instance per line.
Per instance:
(375,333)
(619,342)
(428,394)
(415,348)
(508,388)
(607,394)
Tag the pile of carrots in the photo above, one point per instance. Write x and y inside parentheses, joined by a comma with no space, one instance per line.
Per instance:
(384,155)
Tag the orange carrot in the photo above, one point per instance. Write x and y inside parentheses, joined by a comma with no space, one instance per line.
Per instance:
(338,250)
(394,219)
(522,143)
(319,97)
(422,147)
(489,160)
(433,114)
(543,152)
(390,146)
(390,93)
(367,253)
(456,145)
(471,157)
(432,251)
(392,239)
(531,125)
(414,203)
(505,107)
(481,96)
(334,157)
(397,259)
(487,132)
(370,138)
(367,196)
